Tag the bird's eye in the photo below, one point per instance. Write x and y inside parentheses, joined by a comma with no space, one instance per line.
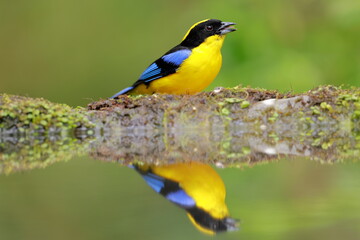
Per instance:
(209,28)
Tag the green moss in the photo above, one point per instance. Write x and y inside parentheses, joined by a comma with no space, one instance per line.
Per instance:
(274,136)
(245,104)
(29,154)
(38,113)
(233,100)
(356,114)
(225,111)
(315,110)
(274,116)
(326,106)
(246,150)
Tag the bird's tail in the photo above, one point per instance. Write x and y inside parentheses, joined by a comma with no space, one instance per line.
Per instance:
(124,91)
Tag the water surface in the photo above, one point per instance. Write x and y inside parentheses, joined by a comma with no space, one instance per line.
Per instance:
(85,189)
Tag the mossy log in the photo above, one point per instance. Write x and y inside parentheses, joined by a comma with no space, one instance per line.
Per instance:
(219,109)
(226,127)
(235,107)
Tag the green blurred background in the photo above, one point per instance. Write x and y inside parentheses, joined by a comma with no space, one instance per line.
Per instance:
(78,51)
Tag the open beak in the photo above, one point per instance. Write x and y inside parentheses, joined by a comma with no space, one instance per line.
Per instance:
(226,27)
(231,224)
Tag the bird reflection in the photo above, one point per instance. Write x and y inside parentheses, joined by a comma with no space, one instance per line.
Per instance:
(195,187)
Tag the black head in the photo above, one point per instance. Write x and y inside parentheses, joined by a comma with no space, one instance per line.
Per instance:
(208,224)
(204,29)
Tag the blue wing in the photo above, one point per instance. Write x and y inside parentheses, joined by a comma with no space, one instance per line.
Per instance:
(151,73)
(166,187)
(154,181)
(177,57)
(165,65)
(181,198)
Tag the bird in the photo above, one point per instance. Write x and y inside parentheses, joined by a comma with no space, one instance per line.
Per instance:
(190,66)
(195,187)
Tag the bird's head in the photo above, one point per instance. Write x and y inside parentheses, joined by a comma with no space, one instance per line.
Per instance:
(209,224)
(200,31)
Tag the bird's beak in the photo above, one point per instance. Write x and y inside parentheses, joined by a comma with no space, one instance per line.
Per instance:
(226,27)
(231,224)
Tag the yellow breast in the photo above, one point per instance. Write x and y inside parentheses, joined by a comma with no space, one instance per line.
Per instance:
(201,182)
(194,74)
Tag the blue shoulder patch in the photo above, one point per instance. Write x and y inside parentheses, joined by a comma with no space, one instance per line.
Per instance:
(154,181)
(151,73)
(181,198)
(177,57)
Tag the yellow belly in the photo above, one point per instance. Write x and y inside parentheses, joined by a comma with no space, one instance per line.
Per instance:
(195,73)
(201,182)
